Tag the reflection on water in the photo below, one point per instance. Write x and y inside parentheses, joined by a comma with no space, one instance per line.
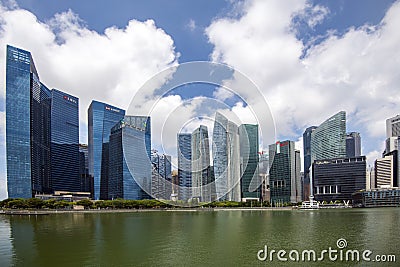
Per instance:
(179,238)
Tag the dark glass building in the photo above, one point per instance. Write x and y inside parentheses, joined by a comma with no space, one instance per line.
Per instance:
(338,179)
(64,142)
(129,159)
(102,117)
(307,160)
(39,123)
(284,176)
(353,145)
(184,143)
(25,173)
(86,180)
(248,136)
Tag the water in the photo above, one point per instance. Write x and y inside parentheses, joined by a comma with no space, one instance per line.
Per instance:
(193,238)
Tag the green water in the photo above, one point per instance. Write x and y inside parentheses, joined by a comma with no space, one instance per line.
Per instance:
(197,238)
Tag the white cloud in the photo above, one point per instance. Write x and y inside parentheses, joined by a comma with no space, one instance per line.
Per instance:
(357,72)
(109,67)
(313,15)
(191,25)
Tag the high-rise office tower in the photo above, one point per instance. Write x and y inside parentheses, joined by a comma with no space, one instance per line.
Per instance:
(386,171)
(129,159)
(102,117)
(85,180)
(284,176)
(250,180)
(263,170)
(353,145)
(184,147)
(202,185)
(393,126)
(28,106)
(226,159)
(64,142)
(328,141)
(307,160)
(161,181)
(41,132)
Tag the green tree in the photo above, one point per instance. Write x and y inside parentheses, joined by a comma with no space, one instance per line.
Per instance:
(86,203)
(34,203)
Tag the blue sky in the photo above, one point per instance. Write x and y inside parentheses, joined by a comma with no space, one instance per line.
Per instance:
(310,59)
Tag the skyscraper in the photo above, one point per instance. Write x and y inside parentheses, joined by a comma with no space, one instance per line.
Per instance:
(184,147)
(393,126)
(25,149)
(42,132)
(328,141)
(161,181)
(284,177)
(85,179)
(64,142)
(226,159)
(202,185)
(102,117)
(353,145)
(307,160)
(386,171)
(129,159)
(248,134)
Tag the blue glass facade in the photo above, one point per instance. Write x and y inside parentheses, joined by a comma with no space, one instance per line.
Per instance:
(184,148)
(129,158)
(18,139)
(42,133)
(28,104)
(248,134)
(102,117)
(64,142)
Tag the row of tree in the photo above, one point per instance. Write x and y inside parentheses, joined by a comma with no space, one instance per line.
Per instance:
(35,203)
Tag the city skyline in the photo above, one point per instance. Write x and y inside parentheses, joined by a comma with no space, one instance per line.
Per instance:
(366,118)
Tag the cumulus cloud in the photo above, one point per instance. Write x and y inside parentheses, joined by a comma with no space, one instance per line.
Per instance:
(357,72)
(108,66)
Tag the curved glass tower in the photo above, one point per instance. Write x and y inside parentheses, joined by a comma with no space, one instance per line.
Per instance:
(226,158)
(328,141)
(201,171)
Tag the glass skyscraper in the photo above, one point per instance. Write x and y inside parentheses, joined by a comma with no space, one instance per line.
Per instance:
(129,159)
(203,187)
(184,147)
(248,134)
(226,159)
(85,179)
(307,160)
(102,117)
(64,142)
(328,141)
(36,119)
(284,177)
(353,145)
(161,177)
